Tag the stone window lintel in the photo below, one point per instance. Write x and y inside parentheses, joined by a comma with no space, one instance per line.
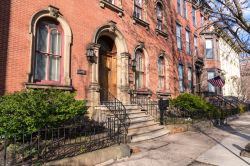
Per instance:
(111,6)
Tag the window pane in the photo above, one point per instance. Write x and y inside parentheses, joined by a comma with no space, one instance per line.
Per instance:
(184,9)
(181,78)
(194,15)
(211,75)
(54,73)
(42,35)
(159,12)
(40,72)
(138,2)
(178,35)
(209,48)
(190,78)
(179,6)
(55,42)
(139,69)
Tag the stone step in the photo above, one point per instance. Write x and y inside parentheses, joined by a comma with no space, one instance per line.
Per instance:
(132,107)
(140,119)
(137,115)
(142,124)
(142,130)
(149,135)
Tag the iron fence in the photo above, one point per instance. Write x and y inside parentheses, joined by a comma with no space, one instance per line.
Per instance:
(147,104)
(57,143)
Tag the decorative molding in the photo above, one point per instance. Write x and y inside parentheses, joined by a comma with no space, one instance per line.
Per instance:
(160,93)
(54,11)
(140,45)
(159,32)
(125,55)
(119,10)
(44,86)
(141,22)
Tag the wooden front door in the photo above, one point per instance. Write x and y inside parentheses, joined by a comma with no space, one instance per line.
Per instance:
(108,68)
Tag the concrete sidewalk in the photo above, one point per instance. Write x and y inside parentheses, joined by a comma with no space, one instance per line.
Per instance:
(216,146)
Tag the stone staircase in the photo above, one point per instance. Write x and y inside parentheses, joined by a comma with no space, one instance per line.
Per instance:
(142,126)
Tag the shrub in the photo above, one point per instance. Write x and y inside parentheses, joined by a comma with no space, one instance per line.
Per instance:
(32,110)
(195,105)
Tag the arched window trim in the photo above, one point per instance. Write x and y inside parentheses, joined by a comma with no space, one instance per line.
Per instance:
(160,19)
(54,14)
(48,53)
(141,46)
(163,29)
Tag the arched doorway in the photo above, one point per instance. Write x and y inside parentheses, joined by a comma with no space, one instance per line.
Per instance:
(107,67)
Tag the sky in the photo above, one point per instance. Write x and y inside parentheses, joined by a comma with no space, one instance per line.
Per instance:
(247,12)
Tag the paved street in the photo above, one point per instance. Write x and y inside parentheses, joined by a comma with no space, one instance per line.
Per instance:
(215,146)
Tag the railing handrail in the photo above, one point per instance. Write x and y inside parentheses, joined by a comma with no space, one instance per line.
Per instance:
(120,111)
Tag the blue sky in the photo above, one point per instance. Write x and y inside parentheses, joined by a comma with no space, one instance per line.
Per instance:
(247,12)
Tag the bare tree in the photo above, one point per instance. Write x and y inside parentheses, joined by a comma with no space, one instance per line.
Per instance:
(229,16)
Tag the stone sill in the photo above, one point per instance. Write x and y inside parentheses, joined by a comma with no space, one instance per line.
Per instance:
(141,22)
(160,32)
(160,93)
(111,6)
(46,86)
(143,92)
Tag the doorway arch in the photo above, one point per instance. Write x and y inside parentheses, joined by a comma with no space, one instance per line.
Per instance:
(112,63)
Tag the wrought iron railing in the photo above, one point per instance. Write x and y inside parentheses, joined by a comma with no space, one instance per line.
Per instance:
(147,104)
(118,110)
(57,143)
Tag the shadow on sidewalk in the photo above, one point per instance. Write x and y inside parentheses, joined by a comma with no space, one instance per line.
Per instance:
(229,129)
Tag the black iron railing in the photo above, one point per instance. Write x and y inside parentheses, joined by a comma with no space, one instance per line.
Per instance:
(147,104)
(57,143)
(118,110)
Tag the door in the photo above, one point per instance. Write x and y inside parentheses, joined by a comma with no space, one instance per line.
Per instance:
(107,68)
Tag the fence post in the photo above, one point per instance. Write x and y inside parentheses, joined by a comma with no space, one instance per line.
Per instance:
(5,151)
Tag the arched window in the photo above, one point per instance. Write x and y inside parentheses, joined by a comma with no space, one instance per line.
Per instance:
(161,73)
(159,15)
(139,73)
(48,52)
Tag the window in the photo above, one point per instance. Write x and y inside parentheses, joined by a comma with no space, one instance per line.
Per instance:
(179,6)
(210,75)
(178,36)
(194,16)
(159,15)
(184,9)
(111,1)
(190,82)
(161,73)
(138,9)
(139,73)
(195,45)
(48,54)
(209,48)
(181,77)
(188,42)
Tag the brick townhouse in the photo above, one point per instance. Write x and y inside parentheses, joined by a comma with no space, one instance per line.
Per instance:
(150,47)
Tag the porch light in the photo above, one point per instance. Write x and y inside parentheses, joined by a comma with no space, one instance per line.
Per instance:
(91,54)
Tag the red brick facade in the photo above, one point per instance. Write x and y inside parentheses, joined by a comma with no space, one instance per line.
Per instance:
(84,18)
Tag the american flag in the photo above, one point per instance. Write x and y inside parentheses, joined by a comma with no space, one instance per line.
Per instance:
(217,81)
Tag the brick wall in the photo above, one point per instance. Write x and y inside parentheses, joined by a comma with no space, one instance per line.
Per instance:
(84,17)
